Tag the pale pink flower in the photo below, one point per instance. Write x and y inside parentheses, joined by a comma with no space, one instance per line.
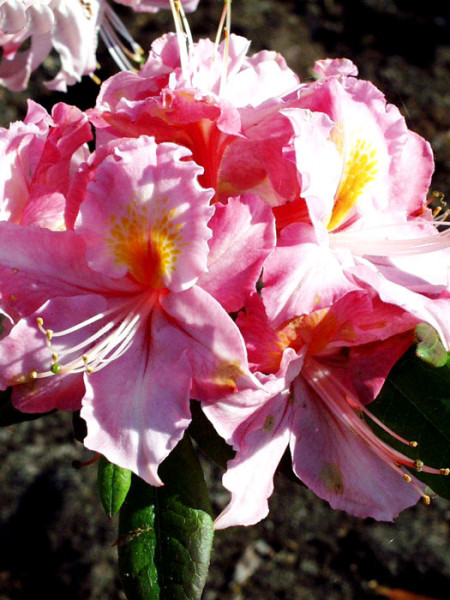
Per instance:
(39,157)
(71,28)
(363,180)
(319,372)
(113,319)
(216,101)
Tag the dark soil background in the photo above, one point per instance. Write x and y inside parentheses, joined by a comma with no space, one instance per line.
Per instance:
(56,542)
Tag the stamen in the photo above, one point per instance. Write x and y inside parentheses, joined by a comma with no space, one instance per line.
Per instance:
(111,27)
(354,242)
(111,340)
(343,407)
(226,33)
(181,37)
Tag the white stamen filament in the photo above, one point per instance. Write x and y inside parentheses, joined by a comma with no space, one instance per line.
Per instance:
(361,246)
(98,350)
(115,47)
(321,380)
(181,37)
(223,79)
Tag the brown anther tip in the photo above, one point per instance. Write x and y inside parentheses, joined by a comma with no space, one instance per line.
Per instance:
(413,444)
(444,472)
(40,321)
(426,499)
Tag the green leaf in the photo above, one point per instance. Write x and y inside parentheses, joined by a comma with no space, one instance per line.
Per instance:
(208,440)
(429,346)
(113,485)
(415,403)
(11,416)
(166,533)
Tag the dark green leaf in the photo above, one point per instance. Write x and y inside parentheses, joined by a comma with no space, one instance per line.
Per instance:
(207,438)
(166,533)
(10,415)
(415,403)
(113,485)
(429,346)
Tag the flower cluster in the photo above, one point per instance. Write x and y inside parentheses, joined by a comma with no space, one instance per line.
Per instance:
(261,245)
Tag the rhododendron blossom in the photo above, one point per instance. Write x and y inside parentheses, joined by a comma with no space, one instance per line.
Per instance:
(71,28)
(213,99)
(39,157)
(112,317)
(237,238)
(368,214)
(319,371)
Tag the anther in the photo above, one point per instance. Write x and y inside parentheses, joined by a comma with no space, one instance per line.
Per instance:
(33,375)
(426,499)
(49,334)
(55,357)
(413,444)
(444,472)
(407,477)
(418,465)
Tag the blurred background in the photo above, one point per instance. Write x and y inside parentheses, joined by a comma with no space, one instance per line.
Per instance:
(56,542)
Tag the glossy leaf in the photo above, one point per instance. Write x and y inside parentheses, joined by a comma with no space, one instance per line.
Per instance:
(429,346)
(415,402)
(113,485)
(166,533)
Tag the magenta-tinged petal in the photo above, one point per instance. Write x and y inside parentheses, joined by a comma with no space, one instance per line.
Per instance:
(257,424)
(235,261)
(155,5)
(433,310)
(154,225)
(331,67)
(317,160)
(52,177)
(137,409)
(292,285)
(214,345)
(249,477)
(37,264)
(339,466)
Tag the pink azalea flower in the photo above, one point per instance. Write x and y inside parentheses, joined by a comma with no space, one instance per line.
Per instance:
(39,157)
(113,318)
(214,100)
(319,372)
(368,211)
(71,29)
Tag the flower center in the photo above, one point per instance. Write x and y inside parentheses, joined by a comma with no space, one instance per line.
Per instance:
(360,168)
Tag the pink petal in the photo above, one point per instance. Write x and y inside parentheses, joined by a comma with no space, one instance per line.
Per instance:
(235,261)
(339,466)
(137,409)
(214,345)
(292,285)
(154,225)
